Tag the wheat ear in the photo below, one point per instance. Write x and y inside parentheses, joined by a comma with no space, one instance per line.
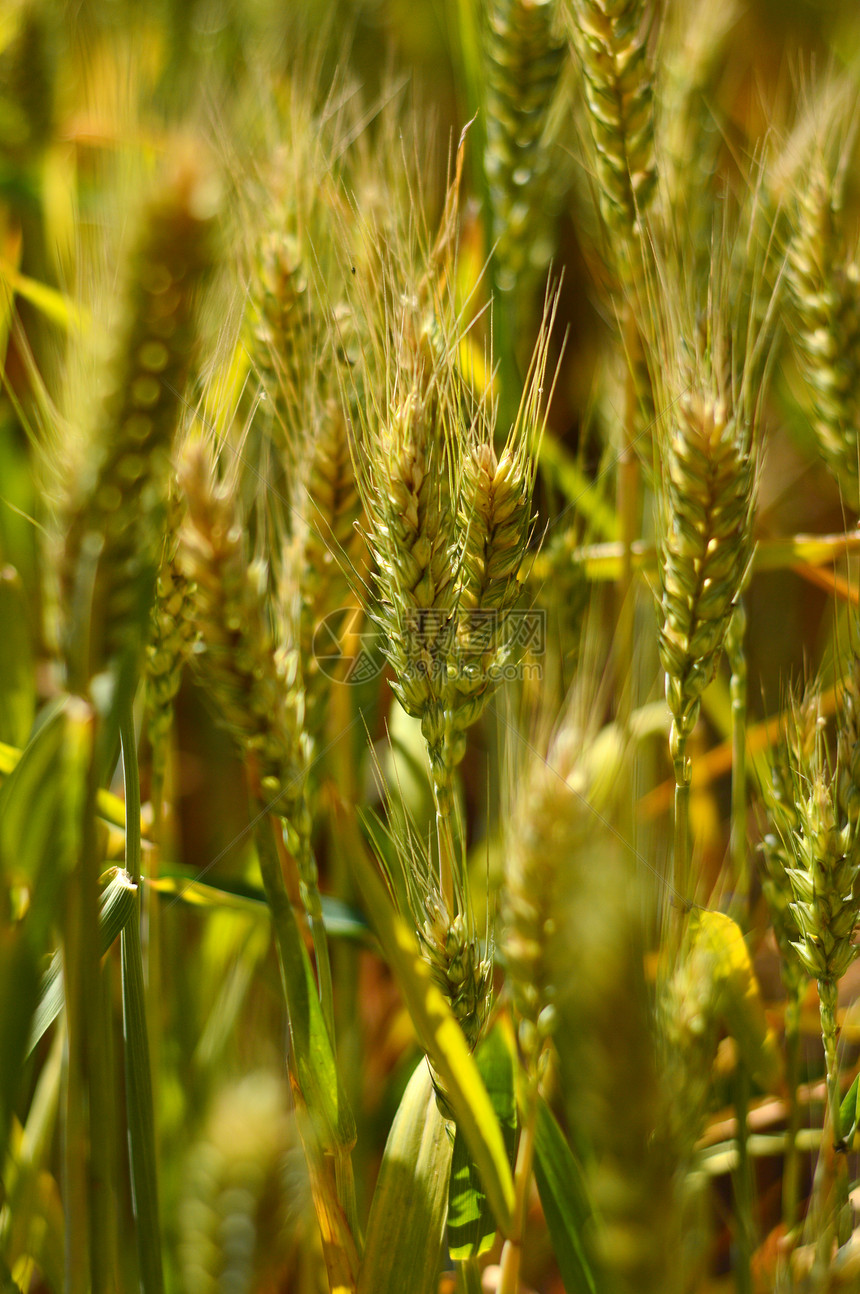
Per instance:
(411,532)
(171,639)
(825,880)
(705,550)
(282,329)
(111,549)
(332,554)
(612,36)
(253,682)
(523,64)
(778,862)
(825,289)
(494,522)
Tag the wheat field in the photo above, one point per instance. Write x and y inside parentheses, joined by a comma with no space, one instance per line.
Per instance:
(429,647)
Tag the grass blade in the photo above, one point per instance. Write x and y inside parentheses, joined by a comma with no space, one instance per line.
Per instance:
(471,1227)
(138,1077)
(117,905)
(565,1204)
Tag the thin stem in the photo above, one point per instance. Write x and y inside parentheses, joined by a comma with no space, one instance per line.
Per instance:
(76,1123)
(828,993)
(344,956)
(738,689)
(627,501)
(509,1274)
(88,1160)
(152,906)
(791,1162)
(141,1120)
(743,1188)
(683,774)
(321,956)
(469,1276)
(311,904)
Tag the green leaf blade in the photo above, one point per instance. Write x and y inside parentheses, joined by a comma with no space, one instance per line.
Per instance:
(407,1216)
(565,1203)
(471,1226)
(440,1035)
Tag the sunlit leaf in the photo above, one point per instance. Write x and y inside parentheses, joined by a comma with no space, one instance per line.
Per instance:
(341,921)
(17,676)
(565,1203)
(440,1035)
(471,1226)
(407,1216)
(41,816)
(117,906)
(849,1112)
(720,955)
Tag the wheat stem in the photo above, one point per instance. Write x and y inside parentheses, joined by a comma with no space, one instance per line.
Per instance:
(791,1158)
(738,689)
(627,509)
(743,1186)
(469,1276)
(141,1117)
(681,852)
(509,1274)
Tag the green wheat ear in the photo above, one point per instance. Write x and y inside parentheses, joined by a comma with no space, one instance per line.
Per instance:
(282,326)
(824,280)
(252,684)
(171,639)
(706,545)
(333,553)
(494,523)
(111,549)
(235,1226)
(612,38)
(461,964)
(524,58)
